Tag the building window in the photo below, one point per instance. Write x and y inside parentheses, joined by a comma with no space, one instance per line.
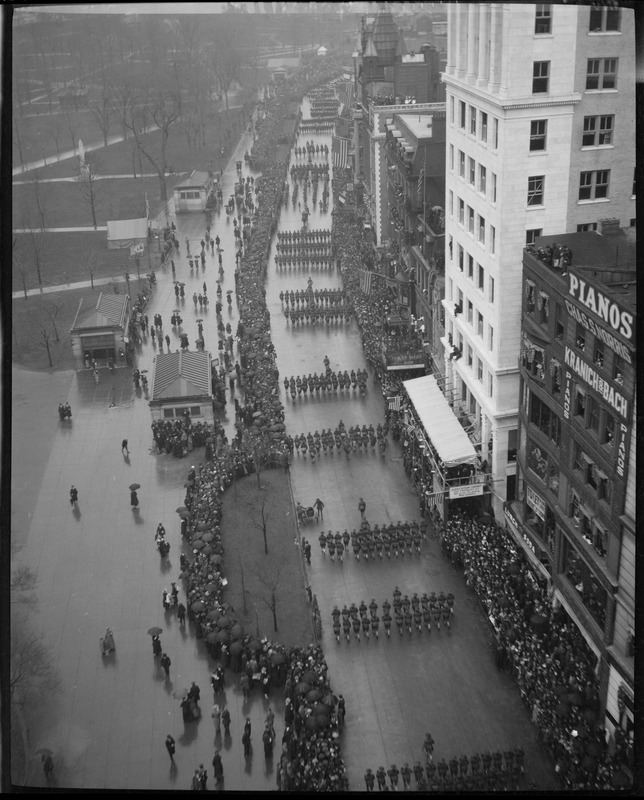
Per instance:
(512,445)
(540,73)
(482,178)
(529,296)
(461,211)
(481,229)
(490,338)
(490,384)
(538,128)
(451,203)
(470,312)
(479,369)
(168,412)
(543,304)
(535,190)
(531,235)
(473,120)
(601,73)
(461,163)
(580,337)
(618,370)
(598,355)
(560,329)
(451,247)
(492,239)
(491,284)
(494,187)
(483,126)
(593,185)
(593,415)
(470,267)
(470,219)
(604,19)
(461,106)
(451,156)
(461,258)
(480,324)
(590,591)
(470,357)
(580,402)
(586,226)
(608,434)
(463,391)
(472,166)
(451,108)
(495,133)
(597,131)
(634,192)
(481,277)
(555,375)
(543,18)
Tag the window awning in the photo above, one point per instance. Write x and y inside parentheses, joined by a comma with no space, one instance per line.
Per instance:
(441,426)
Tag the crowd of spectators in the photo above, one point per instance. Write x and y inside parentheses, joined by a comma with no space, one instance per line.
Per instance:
(543,649)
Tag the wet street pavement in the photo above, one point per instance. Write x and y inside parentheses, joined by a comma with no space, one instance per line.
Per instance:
(98,567)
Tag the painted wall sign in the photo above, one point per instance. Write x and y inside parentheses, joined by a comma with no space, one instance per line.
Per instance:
(602,305)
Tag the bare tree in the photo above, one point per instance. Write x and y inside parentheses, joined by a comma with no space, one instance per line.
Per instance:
(88,184)
(18,139)
(269,576)
(103,113)
(52,309)
(54,130)
(45,336)
(71,128)
(88,260)
(19,264)
(226,59)
(31,665)
(264,523)
(22,586)
(36,236)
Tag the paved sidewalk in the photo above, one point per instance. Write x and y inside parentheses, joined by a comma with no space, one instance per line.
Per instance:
(74,178)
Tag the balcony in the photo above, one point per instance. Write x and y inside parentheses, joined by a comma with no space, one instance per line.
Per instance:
(403,354)
(433,223)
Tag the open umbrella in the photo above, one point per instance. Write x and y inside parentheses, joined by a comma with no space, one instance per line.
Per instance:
(303,687)
(321,710)
(188,484)
(277,658)
(182,510)
(620,780)
(538,622)
(222,636)
(312,695)
(134,487)
(576,699)
(180,694)
(216,559)
(43,751)
(210,440)
(210,587)
(562,709)
(156,631)
(589,714)
(198,606)
(560,690)
(514,568)
(211,637)
(310,677)
(330,700)
(314,722)
(200,320)
(595,748)
(184,514)
(237,631)
(503,601)
(224,622)
(236,648)
(207,537)
(254,645)
(197,544)
(202,526)
(212,615)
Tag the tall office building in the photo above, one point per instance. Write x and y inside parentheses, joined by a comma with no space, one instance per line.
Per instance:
(540,141)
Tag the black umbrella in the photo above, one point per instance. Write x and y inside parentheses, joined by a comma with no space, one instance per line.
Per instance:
(134,487)
(156,631)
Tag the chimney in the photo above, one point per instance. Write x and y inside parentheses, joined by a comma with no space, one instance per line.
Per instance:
(608,226)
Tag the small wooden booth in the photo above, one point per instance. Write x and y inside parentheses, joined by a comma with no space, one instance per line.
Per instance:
(99,332)
(192,193)
(182,381)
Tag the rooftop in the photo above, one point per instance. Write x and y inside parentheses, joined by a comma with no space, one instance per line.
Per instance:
(418,124)
(107,312)
(182,374)
(608,258)
(196,178)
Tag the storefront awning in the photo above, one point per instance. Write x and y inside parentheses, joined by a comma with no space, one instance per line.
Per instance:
(441,426)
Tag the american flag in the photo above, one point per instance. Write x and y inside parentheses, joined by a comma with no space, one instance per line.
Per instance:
(434,499)
(394,403)
(365,280)
(421,180)
(147,206)
(340,151)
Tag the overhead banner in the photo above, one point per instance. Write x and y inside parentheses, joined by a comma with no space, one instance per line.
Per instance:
(471,490)
(606,308)
(536,502)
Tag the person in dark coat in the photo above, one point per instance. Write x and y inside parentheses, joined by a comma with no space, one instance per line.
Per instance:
(156,646)
(134,499)
(181,613)
(165,663)
(246,742)
(170,746)
(218,768)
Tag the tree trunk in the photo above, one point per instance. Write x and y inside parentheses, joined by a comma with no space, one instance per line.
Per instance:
(162,183)
(51,364)
(92,203)
(274,610)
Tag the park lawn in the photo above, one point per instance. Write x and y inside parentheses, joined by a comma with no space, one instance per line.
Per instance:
(29,315)
(64,258)
(243,544)
(65,206)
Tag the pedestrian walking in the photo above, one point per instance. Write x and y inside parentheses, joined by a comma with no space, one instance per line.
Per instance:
(319,508)
(369,779)
(225,721)
(124,447)
(267,739)
(167,341)
(270,720)
(216,716)
(165,599)
(341,712)
(165,663)
(73,497)
(381,777)
(362,507)
(181,614)
(203,778)
(217,768)
(187,246)
(174,273)
(96,376)
(156,646)
(246,743)
(196,779)
(170,746)
(47,766)
(134,499)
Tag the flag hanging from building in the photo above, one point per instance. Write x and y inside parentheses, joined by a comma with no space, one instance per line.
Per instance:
(340,152)
(147,206)
(434,499)
(421,180)
(345,93)
(365,280)
(394,403)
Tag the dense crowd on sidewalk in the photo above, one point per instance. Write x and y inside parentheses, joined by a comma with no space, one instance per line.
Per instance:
(551,662)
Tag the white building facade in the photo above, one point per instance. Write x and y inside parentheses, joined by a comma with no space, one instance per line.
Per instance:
(540,140)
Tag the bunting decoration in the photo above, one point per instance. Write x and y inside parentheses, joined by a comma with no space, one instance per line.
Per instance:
(365,280)
(340,152)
